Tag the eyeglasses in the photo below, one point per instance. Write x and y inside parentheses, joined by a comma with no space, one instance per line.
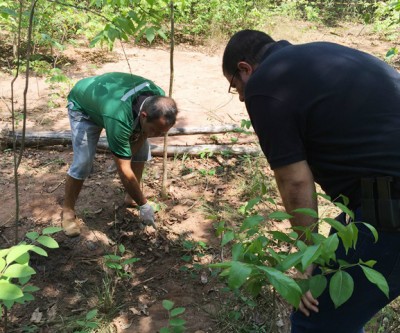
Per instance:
(233,90)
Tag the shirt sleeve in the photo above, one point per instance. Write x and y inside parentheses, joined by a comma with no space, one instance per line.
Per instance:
(279,130)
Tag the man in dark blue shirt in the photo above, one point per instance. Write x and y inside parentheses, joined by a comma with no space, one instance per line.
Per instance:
(328,114)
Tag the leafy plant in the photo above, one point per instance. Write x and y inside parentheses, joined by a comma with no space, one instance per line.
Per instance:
(88,324)
(193,251)
(118,264)
(262,257)
(175,323)
(15,269)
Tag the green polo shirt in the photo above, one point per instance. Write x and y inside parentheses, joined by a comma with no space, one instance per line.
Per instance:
(107,100)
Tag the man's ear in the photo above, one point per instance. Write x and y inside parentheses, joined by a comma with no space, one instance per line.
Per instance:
(245,68)
(143,114)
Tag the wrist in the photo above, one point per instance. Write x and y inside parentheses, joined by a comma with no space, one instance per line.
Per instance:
(142,203)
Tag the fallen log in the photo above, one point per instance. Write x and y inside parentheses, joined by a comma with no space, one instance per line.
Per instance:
(210,149)
(63,138)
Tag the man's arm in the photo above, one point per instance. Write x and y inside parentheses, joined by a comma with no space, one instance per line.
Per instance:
(296,186)
(129,180)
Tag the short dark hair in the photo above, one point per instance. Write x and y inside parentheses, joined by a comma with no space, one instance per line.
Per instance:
(245,45)
(160,106)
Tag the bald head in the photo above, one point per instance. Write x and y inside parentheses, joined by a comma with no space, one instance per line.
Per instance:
(160,106)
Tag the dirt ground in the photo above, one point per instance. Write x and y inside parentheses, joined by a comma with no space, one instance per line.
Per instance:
(202,191)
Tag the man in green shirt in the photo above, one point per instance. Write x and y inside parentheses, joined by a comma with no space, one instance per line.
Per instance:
(131,109)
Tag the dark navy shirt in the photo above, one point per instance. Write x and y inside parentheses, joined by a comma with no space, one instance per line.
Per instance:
(333,106)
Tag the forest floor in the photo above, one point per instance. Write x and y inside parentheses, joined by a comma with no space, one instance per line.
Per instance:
(202,191)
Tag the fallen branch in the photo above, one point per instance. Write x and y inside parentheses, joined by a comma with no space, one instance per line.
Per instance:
(64,137)
(44,139)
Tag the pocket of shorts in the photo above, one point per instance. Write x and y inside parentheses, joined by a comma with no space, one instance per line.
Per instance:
(77,115)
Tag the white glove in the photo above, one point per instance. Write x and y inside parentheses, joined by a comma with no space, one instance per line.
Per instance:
(147,215)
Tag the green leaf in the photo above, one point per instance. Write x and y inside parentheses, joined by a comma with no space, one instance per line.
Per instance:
(251,222)
(162,34)
(291,260)
(150,34)
(24,280)
(227,237)
(2,264)
(376,278)
(391,53)
(18,271)
(32,235)
(48,242)
(325,196)
(341,287)
(310,255)
(177,311)
(4,252)
(284,285)
(17,251)
(177,322)
(113,265)
(91,324)
(237,252)
(121,248)
(281,236)
(8,304)
(304,285)
(331,243)
(238,274)
(91,314)
(306,211)
(51,230)
(317,238)
(335,224)
(251,203)
(373,230)
(39,251)
(318,284)
(130,261)
(168,305)
(30,289)
(165,330)
(369,263)
(347,236)
(24,259)
(279,216)
(112,257)
(9,291)
(354,228)
(345,209)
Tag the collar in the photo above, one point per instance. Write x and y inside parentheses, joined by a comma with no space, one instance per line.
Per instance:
(275,47)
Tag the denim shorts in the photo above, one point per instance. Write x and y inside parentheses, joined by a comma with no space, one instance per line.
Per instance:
(85,136)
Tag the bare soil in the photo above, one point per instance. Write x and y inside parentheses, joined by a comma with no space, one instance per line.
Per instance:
(71,279)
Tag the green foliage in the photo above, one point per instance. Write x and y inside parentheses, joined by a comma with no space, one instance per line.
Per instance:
(193,251)
(118,264)
(175,323)
(261,257)
(207,18)
(15,269)
(386,19)
(137,18)
(88,324)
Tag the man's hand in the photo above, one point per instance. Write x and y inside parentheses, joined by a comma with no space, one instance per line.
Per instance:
(147,215)
(308,302)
